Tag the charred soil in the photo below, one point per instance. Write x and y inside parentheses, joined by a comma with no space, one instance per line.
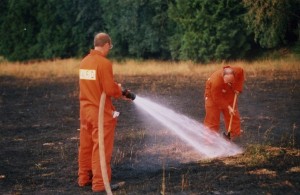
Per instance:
(39,122)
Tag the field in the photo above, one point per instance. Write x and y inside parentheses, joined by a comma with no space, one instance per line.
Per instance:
(39,123)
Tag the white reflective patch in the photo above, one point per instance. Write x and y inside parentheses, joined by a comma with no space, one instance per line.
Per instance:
(116,114)
(86,74)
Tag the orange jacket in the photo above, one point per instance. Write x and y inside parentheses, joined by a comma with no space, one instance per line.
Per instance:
(96,76)
(220,94)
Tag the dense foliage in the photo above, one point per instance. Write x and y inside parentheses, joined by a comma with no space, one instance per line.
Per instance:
(273,21)
(209,30)
(198,30)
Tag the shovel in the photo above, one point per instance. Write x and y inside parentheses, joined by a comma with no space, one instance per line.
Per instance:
(231,117)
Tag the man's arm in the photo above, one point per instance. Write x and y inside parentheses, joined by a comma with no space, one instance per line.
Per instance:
(239,79)
(110,87)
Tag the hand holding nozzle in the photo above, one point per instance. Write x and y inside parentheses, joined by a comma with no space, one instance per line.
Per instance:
(128,94)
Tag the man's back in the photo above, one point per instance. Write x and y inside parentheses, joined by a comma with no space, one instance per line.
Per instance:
(90,83)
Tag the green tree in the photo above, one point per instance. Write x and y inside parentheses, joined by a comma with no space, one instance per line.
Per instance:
(18,29)
(139,29)
(68,27)
(55,38)
(48,29)
(273,22)
(208,30)
(87,21)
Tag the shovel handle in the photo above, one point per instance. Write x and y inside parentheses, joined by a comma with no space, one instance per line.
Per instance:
(233,107)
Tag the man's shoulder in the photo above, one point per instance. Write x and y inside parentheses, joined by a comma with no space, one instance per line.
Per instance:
(216,78)
(237,68)
(105,60)
(96,60)
(216,74)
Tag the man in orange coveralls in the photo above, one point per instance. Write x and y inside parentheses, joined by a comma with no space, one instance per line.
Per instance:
(220,89)
(96,76)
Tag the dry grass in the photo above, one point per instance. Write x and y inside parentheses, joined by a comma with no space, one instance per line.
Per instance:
(256,155)
(69,67)
(40,70)
(189,68)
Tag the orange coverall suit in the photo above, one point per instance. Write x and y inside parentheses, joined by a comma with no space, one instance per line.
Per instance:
(96,76)
(218,96)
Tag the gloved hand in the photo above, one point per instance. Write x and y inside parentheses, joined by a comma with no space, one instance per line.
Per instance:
(128,94)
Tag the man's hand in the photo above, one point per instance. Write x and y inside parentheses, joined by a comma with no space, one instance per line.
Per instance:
(236,92)
(120,85)
(122,96)
(231,111)
(125,98)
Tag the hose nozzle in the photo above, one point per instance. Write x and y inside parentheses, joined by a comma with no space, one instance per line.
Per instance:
(128,94)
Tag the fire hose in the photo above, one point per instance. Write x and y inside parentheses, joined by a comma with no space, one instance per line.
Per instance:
(102,156)
(101,145)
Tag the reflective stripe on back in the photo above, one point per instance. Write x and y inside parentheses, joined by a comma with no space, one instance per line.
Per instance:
(86,74)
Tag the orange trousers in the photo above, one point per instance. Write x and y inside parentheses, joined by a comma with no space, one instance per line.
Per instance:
(89,159)
(212,120)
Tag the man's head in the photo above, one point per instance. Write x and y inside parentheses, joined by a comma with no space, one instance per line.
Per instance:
(228,74)
(102,42)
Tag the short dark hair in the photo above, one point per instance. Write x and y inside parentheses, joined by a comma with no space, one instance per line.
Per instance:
(101,39)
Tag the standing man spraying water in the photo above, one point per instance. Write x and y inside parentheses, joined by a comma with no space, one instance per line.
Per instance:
(96,78)
(220,90)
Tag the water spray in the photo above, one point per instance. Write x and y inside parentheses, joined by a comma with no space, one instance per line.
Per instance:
(207,143)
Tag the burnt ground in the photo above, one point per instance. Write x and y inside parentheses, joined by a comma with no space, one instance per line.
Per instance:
(39,138)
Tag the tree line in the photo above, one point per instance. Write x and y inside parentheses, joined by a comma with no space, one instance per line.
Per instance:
(198,30)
